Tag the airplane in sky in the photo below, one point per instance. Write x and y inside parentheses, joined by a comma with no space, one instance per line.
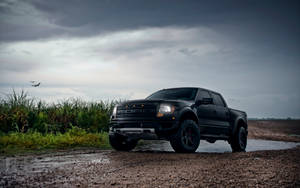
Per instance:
(35,85)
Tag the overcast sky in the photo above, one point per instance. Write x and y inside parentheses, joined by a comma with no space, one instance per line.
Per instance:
(247,50)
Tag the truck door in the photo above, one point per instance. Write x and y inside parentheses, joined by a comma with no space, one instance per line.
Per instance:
(221,114)
(205,113)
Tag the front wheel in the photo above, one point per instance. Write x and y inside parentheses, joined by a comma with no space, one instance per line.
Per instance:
(239,140)
(120,143)
(187,138)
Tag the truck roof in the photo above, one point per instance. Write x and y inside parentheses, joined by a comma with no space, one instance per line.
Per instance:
(192,88)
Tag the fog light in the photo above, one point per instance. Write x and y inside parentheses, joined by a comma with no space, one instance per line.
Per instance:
(160,114)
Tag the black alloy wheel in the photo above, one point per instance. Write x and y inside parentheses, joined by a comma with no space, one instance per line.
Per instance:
(187,138)
(238,142)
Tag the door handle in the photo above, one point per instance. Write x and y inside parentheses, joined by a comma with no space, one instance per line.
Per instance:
(214,111)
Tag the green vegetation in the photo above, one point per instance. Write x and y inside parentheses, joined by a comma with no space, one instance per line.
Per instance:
(19,113)
(74,137)
(26,123)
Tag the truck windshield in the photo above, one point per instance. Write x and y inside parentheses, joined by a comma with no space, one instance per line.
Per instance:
(175,94)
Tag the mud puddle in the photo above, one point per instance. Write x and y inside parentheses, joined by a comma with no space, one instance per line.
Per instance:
(45,163)
(37,164)
(219,146)
(26,165)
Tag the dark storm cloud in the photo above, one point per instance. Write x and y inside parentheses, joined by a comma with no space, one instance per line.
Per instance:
(257,21)
(133,13)
(265,27)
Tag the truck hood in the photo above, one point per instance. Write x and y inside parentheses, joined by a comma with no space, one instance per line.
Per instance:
(158,101)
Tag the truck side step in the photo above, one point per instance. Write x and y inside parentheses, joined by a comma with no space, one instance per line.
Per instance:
(215,137)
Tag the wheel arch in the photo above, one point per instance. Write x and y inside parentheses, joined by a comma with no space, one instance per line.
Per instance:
(239,122)
(188,114)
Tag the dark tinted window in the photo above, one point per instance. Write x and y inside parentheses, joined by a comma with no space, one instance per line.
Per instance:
(218,100)
(178,93)
(203,94)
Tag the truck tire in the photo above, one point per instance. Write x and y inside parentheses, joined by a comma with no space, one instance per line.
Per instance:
(120,143)
(187,138)
(239,140)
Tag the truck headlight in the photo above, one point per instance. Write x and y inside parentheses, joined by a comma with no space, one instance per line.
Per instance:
(114,113)
(165,109)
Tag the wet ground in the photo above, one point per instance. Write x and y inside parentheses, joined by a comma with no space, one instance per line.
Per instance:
(280,130)
(47,162)
(154,164)
(220,146)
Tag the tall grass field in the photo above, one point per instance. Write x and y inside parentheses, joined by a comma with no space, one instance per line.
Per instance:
(27,123)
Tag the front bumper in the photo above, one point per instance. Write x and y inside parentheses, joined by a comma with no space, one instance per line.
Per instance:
(144,129)
(136,133)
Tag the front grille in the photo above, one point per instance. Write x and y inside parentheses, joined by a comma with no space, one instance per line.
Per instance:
(136,125)
(136,110)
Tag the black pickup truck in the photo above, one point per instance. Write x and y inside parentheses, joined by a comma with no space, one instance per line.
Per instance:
(182,116)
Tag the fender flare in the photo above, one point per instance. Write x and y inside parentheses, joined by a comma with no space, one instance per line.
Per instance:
(236,124)
(186,111)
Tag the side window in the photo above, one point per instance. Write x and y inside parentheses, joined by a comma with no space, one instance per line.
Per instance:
(203,94)
(218,100)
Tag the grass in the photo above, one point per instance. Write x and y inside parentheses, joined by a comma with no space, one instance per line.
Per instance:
(27,124)
(20,113)
(34,141)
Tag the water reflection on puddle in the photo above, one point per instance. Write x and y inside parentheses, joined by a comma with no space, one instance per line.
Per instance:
(220,146)
(34,164)
(60,161)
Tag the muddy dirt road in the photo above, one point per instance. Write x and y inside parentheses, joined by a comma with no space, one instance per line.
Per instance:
(157,166)
(282,130)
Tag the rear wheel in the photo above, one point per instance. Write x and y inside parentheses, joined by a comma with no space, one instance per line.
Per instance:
(120,143)
(187,138)
(239,140)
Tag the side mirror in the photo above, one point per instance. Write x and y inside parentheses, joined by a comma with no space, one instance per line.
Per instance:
(204,101)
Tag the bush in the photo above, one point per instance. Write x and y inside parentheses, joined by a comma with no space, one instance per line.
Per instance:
(20,113)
